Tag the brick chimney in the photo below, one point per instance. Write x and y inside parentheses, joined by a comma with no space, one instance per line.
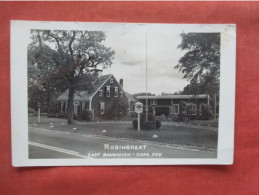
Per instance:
(121,83)
(98,72)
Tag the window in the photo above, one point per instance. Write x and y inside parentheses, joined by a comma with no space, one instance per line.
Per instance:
(153,102)
(116,92)
(102,107)
(111,80)
(176,109)
(121,94)
(194,109)
(108,91)
(83,106)
(63,106)
(100,93)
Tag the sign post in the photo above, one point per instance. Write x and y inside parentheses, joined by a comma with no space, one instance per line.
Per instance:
(138,109)
(39,113)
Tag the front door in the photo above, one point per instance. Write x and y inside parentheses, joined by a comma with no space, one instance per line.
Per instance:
(76,104)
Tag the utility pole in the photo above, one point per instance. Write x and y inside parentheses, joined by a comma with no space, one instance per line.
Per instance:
(215,106)
(146,83)
(39,105)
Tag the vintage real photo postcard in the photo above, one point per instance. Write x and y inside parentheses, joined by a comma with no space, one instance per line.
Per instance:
(122,93)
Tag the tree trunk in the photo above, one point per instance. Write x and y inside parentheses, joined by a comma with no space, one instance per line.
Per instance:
(70,110)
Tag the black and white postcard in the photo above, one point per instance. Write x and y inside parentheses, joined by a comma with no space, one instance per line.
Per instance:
(122,93)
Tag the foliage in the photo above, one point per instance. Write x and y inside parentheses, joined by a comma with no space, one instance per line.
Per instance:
(175,117)
(53,108)
(118,109)
(179,117)
(147,125)
(206,112)
(151,124)
(175,93)
(87,115)
(135,124)
(200,65)
(133,115)
(202,57)
(158,124)
(150,117)
(142,94)
(35,96)
(43,86)
(67,59)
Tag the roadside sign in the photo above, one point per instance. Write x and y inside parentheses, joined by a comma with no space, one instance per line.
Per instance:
(138,107)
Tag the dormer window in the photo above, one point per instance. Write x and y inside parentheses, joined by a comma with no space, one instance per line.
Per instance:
(153,102)
(108,91)
(116,92)
(100,93)
(111,80)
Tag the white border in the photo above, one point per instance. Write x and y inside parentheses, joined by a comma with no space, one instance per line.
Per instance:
(19,40)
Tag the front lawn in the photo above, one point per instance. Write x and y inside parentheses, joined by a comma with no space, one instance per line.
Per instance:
(209,123)
(203,138)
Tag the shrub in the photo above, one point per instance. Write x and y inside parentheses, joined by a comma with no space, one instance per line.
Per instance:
(206,112)
(61,115)
(163,117)
(177,118)
(150,117)
(135,124)
(158,124)
(87,115)
(148,125)
(152,123)
(117,110)
(133,115)
(174,117)
(52,110)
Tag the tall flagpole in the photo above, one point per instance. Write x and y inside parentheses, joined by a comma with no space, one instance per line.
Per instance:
(146,83)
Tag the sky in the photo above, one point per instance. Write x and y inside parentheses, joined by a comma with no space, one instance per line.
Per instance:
(130,61)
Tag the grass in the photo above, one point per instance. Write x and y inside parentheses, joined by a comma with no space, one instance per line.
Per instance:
(209,123)
(203,138)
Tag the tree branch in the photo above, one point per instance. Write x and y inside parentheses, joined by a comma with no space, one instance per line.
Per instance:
(70,45)
(56,39)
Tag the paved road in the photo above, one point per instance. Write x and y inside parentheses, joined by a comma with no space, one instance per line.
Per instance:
(51,144)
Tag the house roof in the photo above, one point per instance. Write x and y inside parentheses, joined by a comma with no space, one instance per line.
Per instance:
(78,96)
(84,95)
(200,96)
(101,81)
(130,97)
